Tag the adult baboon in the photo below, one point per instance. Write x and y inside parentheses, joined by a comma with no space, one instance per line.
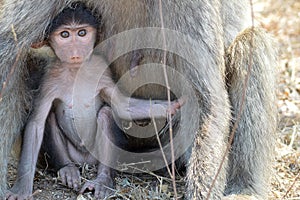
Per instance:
(213,29)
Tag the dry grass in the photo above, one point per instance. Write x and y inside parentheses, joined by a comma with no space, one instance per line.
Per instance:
(145,186)
(281,18)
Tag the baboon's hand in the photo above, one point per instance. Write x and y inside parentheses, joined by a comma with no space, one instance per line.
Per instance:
(101,185)
(177,104)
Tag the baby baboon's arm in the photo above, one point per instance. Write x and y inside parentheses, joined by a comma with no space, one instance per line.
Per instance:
(132,108)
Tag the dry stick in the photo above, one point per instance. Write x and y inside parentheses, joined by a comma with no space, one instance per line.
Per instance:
(233,132)
(169,97)
(158,177)
(291,187)
(12,70)
(159,142)
(35,193)
(293,137)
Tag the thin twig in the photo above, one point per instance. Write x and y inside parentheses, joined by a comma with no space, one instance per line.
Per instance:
(12,70)
(293,137)
(14,33)
(151,174)
(291,187)
(35,193)
(169,97)
(233,132)
(159,142)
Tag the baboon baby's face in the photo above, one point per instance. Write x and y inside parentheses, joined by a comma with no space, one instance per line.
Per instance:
(73,43)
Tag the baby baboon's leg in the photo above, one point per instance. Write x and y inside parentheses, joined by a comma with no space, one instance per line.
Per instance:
(105,175)
(55,144)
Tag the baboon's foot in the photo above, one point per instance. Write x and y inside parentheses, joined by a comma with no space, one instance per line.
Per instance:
(70,176)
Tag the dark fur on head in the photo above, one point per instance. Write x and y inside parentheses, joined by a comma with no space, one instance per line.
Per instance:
(78,13)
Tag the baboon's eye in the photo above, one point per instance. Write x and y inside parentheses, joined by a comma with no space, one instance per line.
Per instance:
(65,34)
(82,33)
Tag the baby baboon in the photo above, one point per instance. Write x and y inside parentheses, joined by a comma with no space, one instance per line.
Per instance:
(72,38)
(213,29)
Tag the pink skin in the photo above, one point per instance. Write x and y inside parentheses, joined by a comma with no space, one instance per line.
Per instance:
(73,44)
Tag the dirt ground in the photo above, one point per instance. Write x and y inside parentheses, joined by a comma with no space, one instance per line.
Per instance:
(282,19)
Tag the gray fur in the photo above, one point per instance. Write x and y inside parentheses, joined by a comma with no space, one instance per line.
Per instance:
(252,151)
(214,24)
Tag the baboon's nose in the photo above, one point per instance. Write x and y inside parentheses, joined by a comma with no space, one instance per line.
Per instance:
(75,58)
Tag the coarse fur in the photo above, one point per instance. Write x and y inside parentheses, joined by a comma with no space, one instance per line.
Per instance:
(218,27)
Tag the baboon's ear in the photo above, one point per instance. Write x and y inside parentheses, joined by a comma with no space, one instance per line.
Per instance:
(38,45)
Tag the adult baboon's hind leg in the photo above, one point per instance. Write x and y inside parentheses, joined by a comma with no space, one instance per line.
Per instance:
(209,147)
(18,19)
(252,149)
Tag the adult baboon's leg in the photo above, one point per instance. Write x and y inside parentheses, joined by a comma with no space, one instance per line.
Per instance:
(252,149)
(209,146)
(22,22)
